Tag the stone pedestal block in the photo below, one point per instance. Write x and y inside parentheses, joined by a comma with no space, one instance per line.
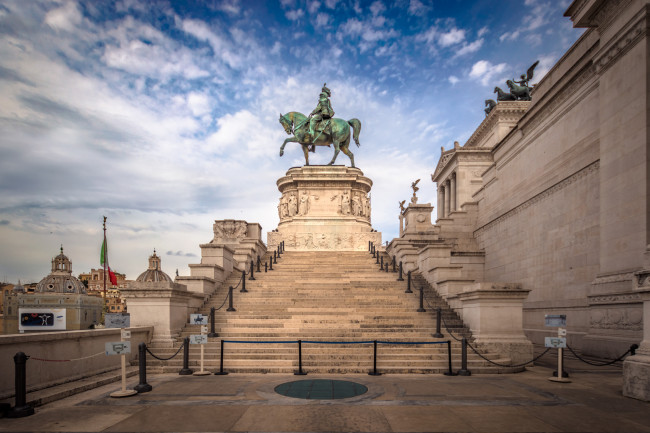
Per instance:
(324,208)
(636,369)
(417,219)
(494,313)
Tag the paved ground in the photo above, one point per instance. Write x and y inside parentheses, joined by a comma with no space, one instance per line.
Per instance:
(524,402)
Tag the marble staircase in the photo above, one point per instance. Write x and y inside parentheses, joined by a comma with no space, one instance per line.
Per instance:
(327,297)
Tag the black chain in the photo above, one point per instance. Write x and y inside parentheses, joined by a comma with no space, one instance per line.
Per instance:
(620,358)
(224,302)
(166,359)
(508,365)
(447,328)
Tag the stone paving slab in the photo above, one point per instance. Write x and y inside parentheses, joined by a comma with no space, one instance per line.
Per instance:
(524,402)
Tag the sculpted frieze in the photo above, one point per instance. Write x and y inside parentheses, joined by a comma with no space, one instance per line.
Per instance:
(229,230)
(617,318)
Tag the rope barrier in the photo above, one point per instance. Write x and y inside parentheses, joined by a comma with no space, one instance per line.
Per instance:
(260,342)
(620,358)
(65,360)
(165,359)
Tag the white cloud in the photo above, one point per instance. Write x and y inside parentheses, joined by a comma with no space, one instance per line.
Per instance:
(469,48)
(198,103)
(222,48)
(483,71)
(483,31)
(509,36)
(67,17)
(452,37)
(331,4)
(377,8)
(453,79)
(313,6)
(295,14)
(416,7)
(322,19)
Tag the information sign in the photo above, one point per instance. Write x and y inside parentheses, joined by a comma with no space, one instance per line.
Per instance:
(555,342)
(204,329)
(126,334)
(118,348)
(41,319)
(555,320)
(117,320)
(198,319)
(198,339)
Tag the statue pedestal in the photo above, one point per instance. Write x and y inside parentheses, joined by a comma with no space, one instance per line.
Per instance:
(324,208)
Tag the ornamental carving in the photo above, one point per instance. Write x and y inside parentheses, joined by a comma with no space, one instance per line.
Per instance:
(324,241)
(229,230)
(617,318)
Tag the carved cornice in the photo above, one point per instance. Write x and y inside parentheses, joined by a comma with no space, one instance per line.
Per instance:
(591,168)
(619,298)
(627,319)
(619,277)
(642,279)
(505,111)
(604,16)
(624,43)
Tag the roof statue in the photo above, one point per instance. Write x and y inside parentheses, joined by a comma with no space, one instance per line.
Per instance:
(414,199)
(320,128)
(519,90)
(489,105)
(402,209)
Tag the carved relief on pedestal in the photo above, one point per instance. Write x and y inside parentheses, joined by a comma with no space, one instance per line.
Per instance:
(617,318)
(229,230)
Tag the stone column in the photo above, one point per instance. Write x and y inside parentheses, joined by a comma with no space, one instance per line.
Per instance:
(452,191)
(441,201)
(447,197)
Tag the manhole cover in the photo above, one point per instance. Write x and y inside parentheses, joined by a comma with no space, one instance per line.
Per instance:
(321,389)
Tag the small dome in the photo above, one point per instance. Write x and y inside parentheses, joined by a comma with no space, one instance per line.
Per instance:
(154,273)
(18,288)
(61,279)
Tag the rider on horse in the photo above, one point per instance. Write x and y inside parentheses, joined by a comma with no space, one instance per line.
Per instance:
(322,112)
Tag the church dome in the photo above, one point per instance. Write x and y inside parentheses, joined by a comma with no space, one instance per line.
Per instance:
(61,279)
(154,273)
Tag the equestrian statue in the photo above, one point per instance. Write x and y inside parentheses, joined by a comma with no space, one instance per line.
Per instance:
(320,128)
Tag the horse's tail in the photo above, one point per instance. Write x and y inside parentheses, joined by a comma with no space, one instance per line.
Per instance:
(356,129)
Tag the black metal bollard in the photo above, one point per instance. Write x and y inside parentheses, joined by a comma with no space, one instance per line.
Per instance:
(279,252)
(212,333)
(221,372)
(450,372)
(259,262)
(400,278)
(275,258)
(186,370)
(243,282)
(266,267)
(438,334)
(421,309)
(381,267)
(374,371)
(377,258)
(369,246)
(374,253)
(143,386)
(394,264)
(252,277)
(230,307)
(270,263)
(386,266)
(463,360)
(299,372)
(408,283)
(21,409)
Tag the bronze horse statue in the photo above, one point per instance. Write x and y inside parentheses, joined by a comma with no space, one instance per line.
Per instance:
(337,133)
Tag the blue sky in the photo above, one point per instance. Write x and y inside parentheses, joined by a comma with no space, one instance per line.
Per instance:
(163,115)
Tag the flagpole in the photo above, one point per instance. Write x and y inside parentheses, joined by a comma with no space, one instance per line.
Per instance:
(104,256)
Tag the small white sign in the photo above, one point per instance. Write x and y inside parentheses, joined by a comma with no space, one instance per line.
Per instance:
(118,348)
(555,320)
(126,334)
(555,342)
(204,329)
(561,332)
(198,319)
(198,339)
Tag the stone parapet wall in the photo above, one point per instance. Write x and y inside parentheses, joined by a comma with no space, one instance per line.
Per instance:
(63,345)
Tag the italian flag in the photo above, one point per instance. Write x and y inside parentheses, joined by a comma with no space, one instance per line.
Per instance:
(103,260)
